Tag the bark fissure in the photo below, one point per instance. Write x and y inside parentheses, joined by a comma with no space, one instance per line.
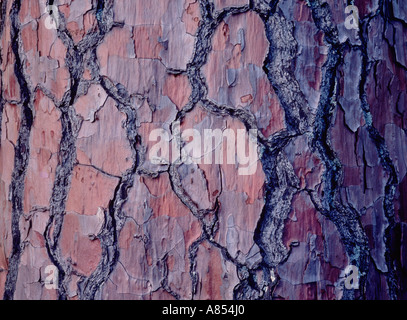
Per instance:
(22,152)
(344,216)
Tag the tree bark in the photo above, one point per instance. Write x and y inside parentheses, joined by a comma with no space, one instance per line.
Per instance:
(116,183)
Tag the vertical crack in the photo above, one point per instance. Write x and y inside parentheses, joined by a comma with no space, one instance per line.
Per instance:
(281,182)
(278,67)
(70,123)
(22,151)
(345,218)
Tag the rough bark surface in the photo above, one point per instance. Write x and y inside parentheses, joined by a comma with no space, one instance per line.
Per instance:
(79,192)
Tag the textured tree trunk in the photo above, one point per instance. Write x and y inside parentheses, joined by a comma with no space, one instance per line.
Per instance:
(98,96)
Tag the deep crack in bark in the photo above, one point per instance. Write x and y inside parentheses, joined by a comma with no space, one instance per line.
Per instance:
(22,152)
(345,218)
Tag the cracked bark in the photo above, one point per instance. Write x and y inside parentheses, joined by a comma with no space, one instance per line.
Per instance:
(22,151)
(331,176)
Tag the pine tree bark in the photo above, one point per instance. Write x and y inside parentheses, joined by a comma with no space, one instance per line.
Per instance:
(90,210)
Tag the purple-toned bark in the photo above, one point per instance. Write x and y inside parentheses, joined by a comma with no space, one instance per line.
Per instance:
(81,194)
